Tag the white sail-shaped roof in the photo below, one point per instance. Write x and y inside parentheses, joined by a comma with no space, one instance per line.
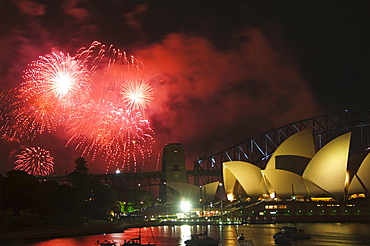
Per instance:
(192,192)
(299,144)
(248,175)
(210,190)
(362,176)
(286,183)
(188,191)
(229,180)
(355,186)
(328,167)
(364,172)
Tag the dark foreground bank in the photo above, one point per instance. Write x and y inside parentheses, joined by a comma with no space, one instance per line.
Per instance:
(44,233)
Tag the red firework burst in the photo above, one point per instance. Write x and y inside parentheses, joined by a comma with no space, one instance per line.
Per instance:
(53,86)
(119,136)
(13,119)
(121,78)
(137,93)
(100,95)
(115,124)
(35,161)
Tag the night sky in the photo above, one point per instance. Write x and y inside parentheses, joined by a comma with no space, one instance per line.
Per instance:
(229,70)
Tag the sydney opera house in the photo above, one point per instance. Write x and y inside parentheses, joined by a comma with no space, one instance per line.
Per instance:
(299,181)
(296,169)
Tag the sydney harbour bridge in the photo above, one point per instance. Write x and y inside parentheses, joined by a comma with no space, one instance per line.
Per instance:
(256,150)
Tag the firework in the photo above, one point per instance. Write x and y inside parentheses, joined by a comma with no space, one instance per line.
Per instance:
(35,161)
(122,79)
(119,136)
(114,125)
(57,76)
(12,128)
(137,94)
(53,86)
(6,131)
(100,96)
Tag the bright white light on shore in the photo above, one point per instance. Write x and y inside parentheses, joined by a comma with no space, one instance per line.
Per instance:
(230,197)
(272,195)
(118,171)
(185,206)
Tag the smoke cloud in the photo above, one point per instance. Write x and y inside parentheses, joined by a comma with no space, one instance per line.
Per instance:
(218,98)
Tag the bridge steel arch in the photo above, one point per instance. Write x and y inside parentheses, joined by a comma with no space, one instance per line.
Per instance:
(258,149)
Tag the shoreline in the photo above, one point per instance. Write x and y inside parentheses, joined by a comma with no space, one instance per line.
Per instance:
(46,233)
(114,227)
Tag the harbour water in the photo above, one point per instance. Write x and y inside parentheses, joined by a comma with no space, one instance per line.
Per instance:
(322,234)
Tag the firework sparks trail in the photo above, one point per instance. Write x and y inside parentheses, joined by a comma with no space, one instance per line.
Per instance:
(58,81)
(114,125)
(7,129)
(53,86)
(18,125)
(137,94)
(126,83)
(101,97)
(117,135)
(35,161)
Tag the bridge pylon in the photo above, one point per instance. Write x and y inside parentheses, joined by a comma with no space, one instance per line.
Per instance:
(173,166)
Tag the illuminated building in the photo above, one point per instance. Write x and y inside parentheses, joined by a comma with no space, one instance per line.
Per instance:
(321,182)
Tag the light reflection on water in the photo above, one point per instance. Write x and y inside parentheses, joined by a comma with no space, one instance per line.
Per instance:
(323,234)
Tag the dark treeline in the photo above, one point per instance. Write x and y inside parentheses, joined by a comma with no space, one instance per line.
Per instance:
(27,202)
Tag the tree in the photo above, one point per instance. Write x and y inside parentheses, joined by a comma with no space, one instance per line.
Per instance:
(101,202)
(136,199)
(81,165)
(93,199)
(80,183)
(21,191)
(63,196)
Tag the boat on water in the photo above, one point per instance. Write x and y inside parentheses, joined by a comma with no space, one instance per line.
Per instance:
(281,238)
(201,240)
(243,242)
(137,241)
(288,233)
(106,243)
(295,233)
(131,242)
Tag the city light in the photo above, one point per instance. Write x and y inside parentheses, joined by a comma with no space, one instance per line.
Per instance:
(185,206)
